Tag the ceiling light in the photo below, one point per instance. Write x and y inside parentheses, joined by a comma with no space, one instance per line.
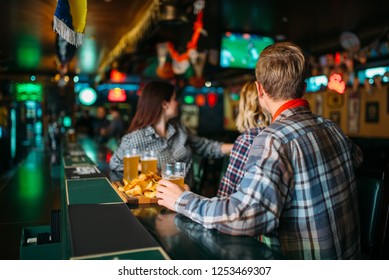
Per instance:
(87,96)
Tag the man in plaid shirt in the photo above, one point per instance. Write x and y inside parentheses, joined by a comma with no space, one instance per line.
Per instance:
(299,188)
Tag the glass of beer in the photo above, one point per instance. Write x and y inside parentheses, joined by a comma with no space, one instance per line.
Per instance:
(149,161)
(130,164)
(174,172)
(72,135)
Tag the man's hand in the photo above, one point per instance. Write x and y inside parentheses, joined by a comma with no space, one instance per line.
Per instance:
(168,193)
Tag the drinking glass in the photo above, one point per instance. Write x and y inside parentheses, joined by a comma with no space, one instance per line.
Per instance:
(174,172)
(149,161)
(130,164)
(72,135)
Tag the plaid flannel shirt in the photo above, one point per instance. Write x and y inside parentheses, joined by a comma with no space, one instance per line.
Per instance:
(299,190)
(237,161)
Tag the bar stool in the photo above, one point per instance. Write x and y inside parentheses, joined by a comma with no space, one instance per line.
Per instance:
(373,202)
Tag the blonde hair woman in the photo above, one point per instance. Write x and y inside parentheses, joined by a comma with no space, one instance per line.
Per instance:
(250,122)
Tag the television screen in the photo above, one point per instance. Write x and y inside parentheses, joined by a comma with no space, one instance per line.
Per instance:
(370,73)
(241,50)
(316,83)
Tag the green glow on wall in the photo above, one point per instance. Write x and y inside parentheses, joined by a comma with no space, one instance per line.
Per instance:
(38,128)
(87,56)
(234,97)
(67,121)
(28,92)
(28,53)
(189,99)
(13,133)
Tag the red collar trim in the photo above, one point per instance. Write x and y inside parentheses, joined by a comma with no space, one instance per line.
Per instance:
(291,104)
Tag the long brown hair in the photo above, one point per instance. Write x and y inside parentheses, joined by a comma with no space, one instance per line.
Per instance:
(150,102)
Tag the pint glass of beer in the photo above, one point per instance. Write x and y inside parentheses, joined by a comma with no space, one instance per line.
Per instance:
(72,135)
(149,161)
(130,164)
(174,172)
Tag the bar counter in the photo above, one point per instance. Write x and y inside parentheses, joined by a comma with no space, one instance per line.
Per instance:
(96,223)
(184,239)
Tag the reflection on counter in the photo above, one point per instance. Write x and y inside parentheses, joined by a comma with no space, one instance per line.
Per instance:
(224,246)
(182,238)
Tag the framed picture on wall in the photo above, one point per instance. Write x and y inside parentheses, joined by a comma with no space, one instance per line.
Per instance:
(335,117)
(334,100)
(354,108)
(387,100)
(319,104)
(235,110)
(190,116)
(372,112)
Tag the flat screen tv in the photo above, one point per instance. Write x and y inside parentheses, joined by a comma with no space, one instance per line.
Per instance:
(316,83)
(370,73)
(241,50)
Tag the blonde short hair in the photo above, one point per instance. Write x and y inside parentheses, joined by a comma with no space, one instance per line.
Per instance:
(250,113)
(281,70)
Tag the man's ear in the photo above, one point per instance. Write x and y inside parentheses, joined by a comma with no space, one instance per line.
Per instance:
(259,89)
